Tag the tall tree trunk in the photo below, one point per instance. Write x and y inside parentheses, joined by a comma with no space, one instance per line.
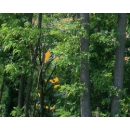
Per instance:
(21,92)
(119,63)
(30,82)
(42,100)
(84,72)
(40,82)
(2,88)
(34,53)
(29,87)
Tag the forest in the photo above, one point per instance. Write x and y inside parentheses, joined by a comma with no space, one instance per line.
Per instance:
(64,65)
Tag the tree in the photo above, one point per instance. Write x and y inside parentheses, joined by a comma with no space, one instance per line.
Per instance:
(119,64)
(62,65)
(84,72)
(30,82)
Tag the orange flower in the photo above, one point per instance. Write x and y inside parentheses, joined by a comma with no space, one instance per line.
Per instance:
(54,80)
(57,85)
(47,55)
(51,81)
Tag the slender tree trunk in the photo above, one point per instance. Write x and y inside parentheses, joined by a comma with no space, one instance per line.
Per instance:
(76,16)
(30,82)
(84,72)
(2,88)
(29,87)
(119,63)
(21,94)
(42,101)
(40,83)
(34,53)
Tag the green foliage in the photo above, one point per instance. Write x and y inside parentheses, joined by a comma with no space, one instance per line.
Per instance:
(22,44)
(17,112)
(68,103)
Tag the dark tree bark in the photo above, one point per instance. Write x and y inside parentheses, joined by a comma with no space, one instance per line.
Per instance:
(30,82)
(29,87)
(42,100)
(76,16)
(84,72)
(21,92)
(119,63)
(2,88)
(34,52)
(40,79)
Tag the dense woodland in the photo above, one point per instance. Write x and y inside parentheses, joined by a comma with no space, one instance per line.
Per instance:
(64,65)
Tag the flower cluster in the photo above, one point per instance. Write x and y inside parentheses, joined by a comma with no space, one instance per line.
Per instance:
(50,108)
(126,58)
(66,19)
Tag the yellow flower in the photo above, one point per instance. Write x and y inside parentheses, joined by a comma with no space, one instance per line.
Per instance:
(64,28)
(56,58)
(66,19)
(62,20)
(37,105)
(34,21)
(52,108)
(126,58)
(56,86)
(51,81)
(45,80)
(71,19)
(38,94)
(47,107)
(59,25)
